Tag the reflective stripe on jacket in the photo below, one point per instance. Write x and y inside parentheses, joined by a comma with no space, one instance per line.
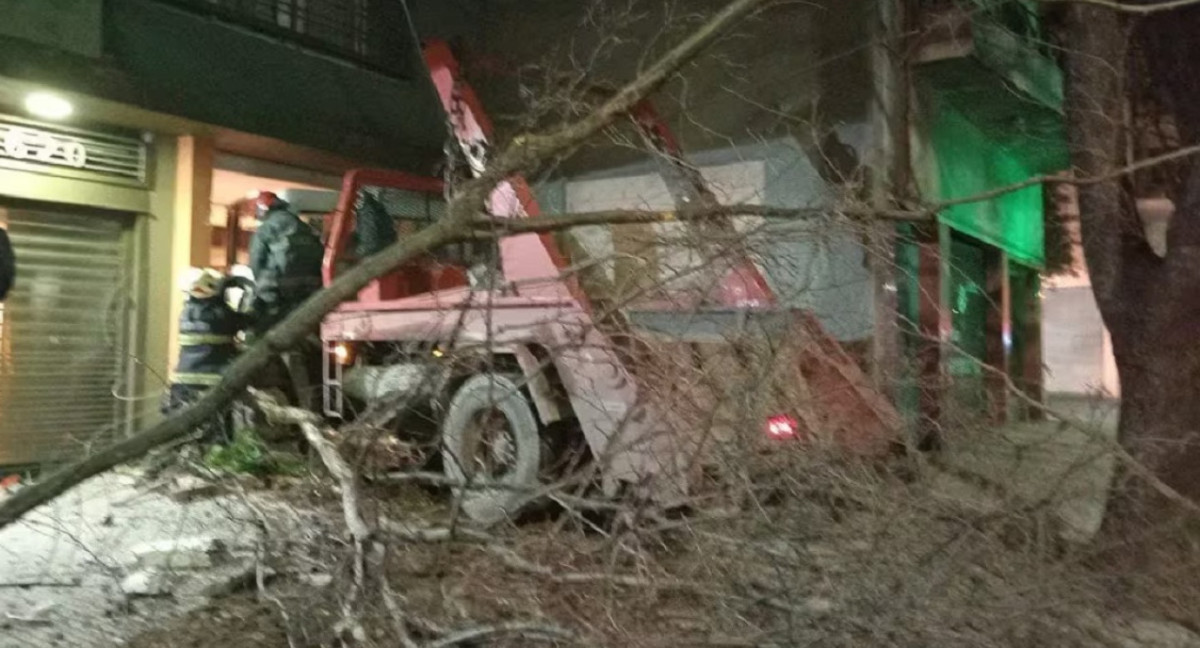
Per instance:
(207,331)
(195,379)
(192,339)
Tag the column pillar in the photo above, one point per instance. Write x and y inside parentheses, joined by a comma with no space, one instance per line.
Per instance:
(1027,368)
(933,327)
(193,200)
(999,333)
(191,232)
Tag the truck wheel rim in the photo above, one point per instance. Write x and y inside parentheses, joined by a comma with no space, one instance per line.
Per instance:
(491,448)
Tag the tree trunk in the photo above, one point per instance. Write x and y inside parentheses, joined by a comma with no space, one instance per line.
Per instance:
(1160,411)
(1150,304)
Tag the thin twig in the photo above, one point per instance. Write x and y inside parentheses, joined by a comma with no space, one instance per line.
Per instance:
(525,153)
(1141,9)
(337,466)
(391,600)
(260,582)
(490,227)
(400,531)
(260,569)
(360,531)
(1137,468)
(527,629)
(75,582)
(15,618)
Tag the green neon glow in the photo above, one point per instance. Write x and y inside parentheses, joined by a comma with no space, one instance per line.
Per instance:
(970,163)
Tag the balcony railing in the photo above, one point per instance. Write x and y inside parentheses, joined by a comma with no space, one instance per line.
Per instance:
(372,33)
(945,26)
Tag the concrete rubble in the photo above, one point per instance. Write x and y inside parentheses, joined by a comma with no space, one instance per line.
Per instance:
(112,558)
(317,581)
(146,582)
(198,552)
(189,488)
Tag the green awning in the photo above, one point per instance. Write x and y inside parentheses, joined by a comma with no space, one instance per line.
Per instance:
(969,164)
(995,119)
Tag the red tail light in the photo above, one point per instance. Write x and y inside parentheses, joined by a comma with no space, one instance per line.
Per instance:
(782,426)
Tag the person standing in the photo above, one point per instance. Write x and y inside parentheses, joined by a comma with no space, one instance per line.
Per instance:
(8,264)
(208,329)
(285,256)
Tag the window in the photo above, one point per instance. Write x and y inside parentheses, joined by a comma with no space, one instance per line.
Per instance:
(371,32)
(341,23)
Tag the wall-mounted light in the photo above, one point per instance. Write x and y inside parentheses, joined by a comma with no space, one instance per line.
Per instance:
(48,106)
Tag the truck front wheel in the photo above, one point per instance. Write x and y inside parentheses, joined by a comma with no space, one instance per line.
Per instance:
(491,447)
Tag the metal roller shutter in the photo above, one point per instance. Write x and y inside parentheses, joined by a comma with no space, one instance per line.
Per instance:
(63,335)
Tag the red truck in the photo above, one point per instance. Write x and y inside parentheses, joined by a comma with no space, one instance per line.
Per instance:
(502,357)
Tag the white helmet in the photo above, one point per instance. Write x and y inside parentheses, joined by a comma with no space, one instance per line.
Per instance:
(243,271)
(189,277)
(206,284)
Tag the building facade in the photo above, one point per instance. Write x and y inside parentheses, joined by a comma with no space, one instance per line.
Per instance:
(130,128)
(126,129)
(988,121)
(963,294)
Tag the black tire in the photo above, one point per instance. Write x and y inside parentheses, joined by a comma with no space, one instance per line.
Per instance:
(481,405)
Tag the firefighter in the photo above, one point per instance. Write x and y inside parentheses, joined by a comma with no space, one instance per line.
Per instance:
(8,264)
(285,257)
(208,331)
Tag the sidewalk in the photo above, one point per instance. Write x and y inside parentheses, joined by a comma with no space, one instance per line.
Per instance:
(1046,461)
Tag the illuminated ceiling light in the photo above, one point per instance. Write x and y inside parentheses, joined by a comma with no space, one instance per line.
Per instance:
(48,106)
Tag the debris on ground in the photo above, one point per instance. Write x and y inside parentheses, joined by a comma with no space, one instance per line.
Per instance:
(822,550)
(188,488)
(1067,467)
(194,552)
(839,555)
(116,556)
(150,581)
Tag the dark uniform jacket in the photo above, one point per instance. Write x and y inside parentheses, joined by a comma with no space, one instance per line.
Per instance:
(8,265)
(374,229)
(207,345)
(276,237)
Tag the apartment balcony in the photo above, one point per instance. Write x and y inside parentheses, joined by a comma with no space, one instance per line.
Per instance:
(341,76)
(371,33)
(1006,37)
(991,59)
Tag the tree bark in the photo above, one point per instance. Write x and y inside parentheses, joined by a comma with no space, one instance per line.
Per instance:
(1151,305)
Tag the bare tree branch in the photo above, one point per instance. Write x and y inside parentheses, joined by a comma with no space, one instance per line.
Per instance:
(528,630)
(1173,156)
(529,151)
(490,226)
(1140,9)
(309,424)
(525,153)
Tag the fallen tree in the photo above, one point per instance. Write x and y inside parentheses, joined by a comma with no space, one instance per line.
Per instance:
(467,219)
(464,213)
